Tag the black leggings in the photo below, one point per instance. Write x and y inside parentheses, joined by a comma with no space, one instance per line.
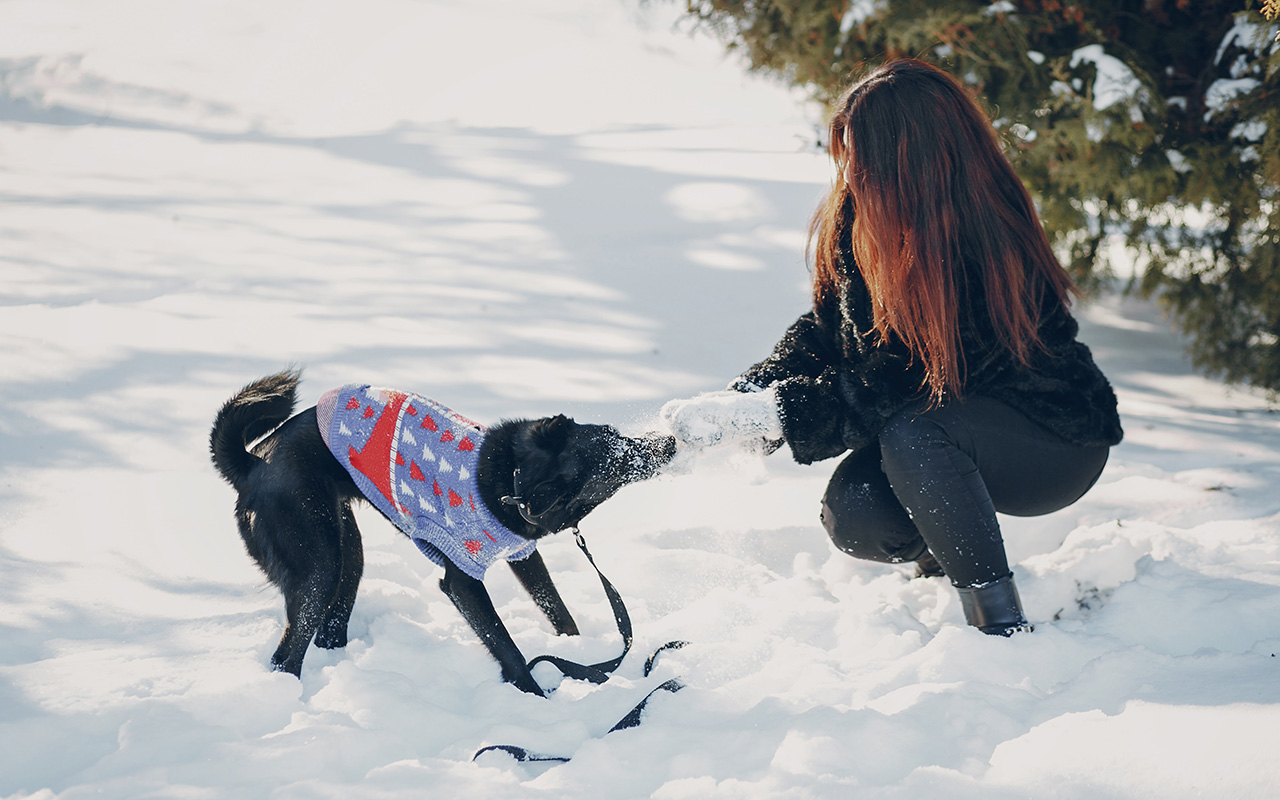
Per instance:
(937,478)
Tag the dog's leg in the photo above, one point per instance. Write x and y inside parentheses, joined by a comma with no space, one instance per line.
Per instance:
(303,553)
(536,580)
(332,632)
(304,607)
(472,600)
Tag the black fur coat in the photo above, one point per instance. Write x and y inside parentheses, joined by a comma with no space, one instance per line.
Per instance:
(837,384)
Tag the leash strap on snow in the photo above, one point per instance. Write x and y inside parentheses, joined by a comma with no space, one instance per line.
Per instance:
(599,673)
(648,663)
(596,673)
(518,753)
(631,720)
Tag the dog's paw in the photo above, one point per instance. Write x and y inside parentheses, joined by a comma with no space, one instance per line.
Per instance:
(331,637)
(294,669)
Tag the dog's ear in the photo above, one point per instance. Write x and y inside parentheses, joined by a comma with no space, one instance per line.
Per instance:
(551,433)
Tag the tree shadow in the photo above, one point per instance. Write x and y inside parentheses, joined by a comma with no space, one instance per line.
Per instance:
(614,294)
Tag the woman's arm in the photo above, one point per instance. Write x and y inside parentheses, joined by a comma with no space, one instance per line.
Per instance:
(843,407)
(828,397)
(748,409)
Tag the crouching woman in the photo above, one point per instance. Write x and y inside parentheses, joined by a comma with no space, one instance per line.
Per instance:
(940,352)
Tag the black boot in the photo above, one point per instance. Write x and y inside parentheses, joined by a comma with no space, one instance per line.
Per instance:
(994,608)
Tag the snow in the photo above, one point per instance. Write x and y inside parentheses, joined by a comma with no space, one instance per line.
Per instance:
(1223,92)
(1177,160)
(1253,130)
(525,209)
(1247,34)
(1114,82)
(859,11)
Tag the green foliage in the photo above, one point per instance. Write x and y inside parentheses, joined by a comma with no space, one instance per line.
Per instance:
(1154,120)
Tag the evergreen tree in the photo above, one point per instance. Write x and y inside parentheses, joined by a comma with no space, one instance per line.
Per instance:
(1157,120)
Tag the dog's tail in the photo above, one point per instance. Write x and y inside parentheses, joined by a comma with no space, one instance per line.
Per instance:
(255,411)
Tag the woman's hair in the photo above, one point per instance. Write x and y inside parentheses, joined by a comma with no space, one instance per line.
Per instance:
(926,200)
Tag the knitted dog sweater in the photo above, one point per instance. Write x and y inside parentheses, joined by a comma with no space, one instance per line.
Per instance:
(415,460)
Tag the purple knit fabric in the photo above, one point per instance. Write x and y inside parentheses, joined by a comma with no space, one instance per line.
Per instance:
(416,460)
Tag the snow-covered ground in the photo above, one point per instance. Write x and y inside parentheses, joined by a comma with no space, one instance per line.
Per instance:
(521,209)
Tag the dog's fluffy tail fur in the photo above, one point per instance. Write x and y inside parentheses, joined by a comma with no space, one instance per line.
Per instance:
(255,411)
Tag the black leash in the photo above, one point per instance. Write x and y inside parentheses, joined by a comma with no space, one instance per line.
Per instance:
(595,673)
(631,720)
(598,673)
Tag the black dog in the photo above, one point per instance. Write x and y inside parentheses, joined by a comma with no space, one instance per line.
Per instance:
(535,477)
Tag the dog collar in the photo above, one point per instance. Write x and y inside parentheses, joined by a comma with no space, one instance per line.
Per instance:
(522,506)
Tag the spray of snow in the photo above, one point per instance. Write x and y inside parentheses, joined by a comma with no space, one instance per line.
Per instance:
(722,418)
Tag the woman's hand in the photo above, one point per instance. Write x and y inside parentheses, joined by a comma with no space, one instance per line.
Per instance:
(720,418)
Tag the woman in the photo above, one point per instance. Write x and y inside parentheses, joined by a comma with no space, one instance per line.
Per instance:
(939,350)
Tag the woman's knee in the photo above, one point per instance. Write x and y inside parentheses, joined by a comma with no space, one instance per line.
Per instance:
(864,519)
(839,519)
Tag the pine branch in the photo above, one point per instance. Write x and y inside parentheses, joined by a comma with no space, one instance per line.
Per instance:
(1154,120)
(1271,10)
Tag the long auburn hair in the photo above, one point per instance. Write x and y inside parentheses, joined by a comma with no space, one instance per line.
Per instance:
(925,199)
